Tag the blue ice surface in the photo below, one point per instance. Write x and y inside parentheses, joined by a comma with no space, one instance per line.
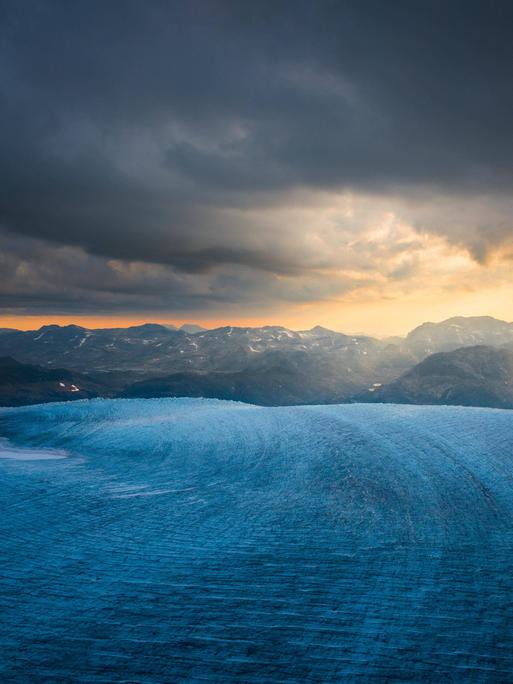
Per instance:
(189,540)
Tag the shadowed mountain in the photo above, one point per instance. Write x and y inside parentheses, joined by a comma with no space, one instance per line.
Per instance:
(27,384)
(268,387)
(471,376)
(273,386)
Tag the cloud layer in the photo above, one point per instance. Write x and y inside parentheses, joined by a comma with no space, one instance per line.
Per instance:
(189,156)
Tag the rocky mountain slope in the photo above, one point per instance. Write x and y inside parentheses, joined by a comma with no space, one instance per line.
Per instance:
(471,376)
(430,338)
(276,385)
(27,384)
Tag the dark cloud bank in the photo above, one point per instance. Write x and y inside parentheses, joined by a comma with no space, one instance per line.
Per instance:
(171,135)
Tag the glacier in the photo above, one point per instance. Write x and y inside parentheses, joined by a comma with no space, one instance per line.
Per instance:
(170,540)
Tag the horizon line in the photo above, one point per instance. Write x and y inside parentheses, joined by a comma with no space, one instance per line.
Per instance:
(206,325)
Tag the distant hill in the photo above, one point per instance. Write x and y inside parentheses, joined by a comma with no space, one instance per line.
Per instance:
(284,384)
(27,384)
(471,376)
(274,386)
(454,333)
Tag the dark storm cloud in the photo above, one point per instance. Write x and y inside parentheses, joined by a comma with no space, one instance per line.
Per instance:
(38,277)
(155,131)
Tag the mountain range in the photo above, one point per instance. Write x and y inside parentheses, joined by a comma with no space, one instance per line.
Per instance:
(268,365)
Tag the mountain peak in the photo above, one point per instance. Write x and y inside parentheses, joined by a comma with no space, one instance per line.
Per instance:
(192,328)
(72,327)
(151,327)
(320,330)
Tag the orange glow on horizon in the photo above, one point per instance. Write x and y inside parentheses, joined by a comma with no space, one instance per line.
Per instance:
(35,322)
(378,318)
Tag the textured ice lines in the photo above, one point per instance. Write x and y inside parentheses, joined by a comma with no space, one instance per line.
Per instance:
(201,540)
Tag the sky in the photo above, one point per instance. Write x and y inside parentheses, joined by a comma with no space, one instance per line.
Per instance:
(342,163)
